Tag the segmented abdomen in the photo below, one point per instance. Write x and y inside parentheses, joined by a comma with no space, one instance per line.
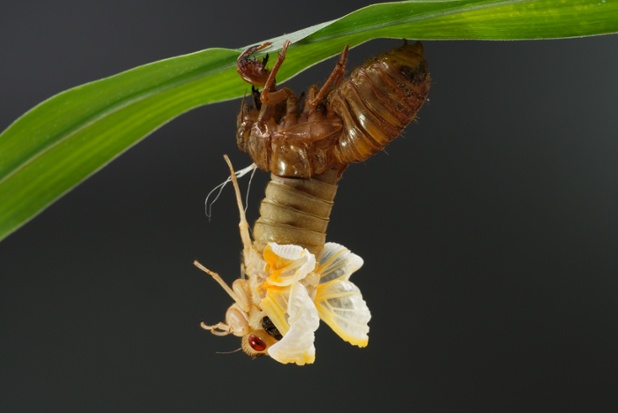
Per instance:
(378,100)
(296,211)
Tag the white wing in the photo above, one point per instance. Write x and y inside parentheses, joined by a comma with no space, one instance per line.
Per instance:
(339,302)
(297,346)
(287,264)
(275,305)
(337,262)
(341,306)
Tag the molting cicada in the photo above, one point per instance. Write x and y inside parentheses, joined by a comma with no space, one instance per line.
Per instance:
(292,277)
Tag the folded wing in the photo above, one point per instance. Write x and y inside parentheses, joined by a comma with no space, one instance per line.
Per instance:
(339,302)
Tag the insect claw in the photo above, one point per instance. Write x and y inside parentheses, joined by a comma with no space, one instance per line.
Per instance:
(269,85)
(219,329)
(252,50)
(263,46)
(253,71)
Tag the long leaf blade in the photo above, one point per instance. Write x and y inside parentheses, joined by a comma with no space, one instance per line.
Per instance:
(65,139)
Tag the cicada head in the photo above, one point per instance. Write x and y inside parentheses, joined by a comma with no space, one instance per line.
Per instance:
(254,342)
(246,319)
(257,343)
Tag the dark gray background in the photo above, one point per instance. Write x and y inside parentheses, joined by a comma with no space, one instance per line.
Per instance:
(489,232)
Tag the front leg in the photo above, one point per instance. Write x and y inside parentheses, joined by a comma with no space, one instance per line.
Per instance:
(253,71)
(269,96)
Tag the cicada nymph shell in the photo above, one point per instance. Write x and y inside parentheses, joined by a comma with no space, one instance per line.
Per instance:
(346,120)
(286,288)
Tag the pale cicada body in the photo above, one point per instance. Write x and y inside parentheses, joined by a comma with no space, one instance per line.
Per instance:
(292,279)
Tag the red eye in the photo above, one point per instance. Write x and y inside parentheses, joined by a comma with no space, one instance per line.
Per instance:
(256,343)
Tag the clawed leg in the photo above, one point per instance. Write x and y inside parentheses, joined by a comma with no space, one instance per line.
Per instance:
(253,71)
(269,95)
(333,81)
(219,329)
(219,281)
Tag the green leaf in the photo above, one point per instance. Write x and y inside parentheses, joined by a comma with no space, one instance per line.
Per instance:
(65,139)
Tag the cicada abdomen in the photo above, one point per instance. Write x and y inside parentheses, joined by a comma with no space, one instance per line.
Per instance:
(378,100)
(296,211)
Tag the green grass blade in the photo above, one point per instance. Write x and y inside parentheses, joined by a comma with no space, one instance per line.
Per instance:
(62,141)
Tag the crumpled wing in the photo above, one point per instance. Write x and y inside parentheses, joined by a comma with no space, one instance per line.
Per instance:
(297,346)
(286,264)
(275,305)
(339,302)
(337,263)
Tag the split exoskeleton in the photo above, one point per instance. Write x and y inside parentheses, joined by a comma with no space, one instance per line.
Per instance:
(292,277)
(346,120)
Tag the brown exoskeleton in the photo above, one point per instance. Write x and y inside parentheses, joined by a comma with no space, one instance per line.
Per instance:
(346,120)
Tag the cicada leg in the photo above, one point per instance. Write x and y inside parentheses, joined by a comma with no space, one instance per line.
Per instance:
(333,81)
(269,94)
(253,71)
(244,236)
(219,281)
(219,329)
(243,225)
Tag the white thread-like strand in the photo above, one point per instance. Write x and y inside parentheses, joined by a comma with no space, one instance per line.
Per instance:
(219,188)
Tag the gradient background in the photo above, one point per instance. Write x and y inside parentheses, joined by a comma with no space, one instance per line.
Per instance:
(489,232)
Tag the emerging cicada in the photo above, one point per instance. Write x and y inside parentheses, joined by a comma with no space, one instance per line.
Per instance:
(292,277)
(286,289)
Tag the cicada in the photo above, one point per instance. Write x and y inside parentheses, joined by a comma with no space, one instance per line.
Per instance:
(291,277)
(286,289)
